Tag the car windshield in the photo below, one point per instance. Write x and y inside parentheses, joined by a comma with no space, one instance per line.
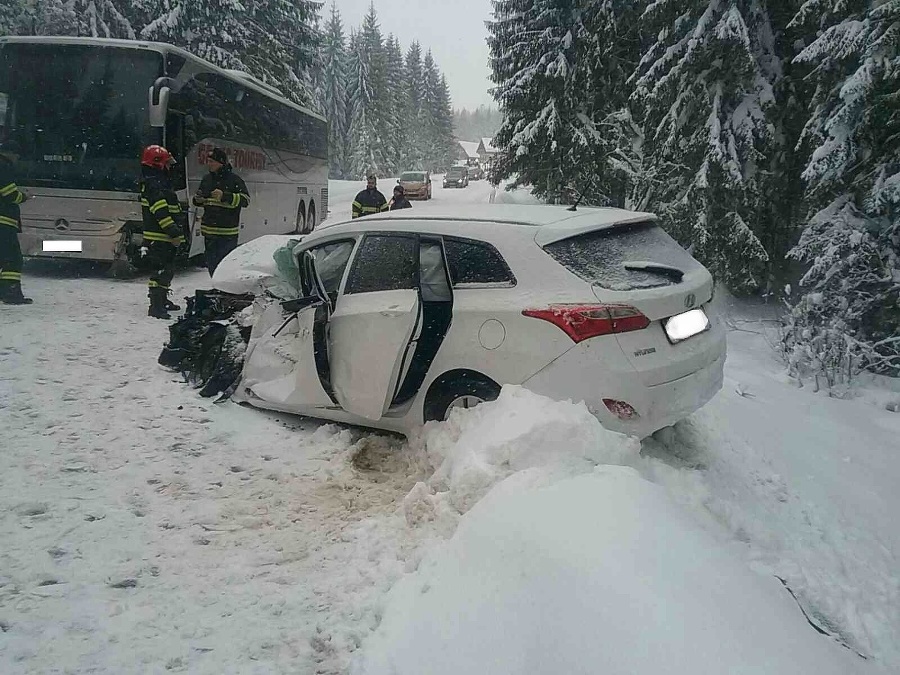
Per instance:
(413,177)
(455,171)
(626,257)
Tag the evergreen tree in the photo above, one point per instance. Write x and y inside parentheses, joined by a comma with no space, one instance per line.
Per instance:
(284,39)
(89,18)
(445,142)
(365,152)
(413,109)
(335,81)
(849,315)
(394,106)
(705,85)
(429,115)
(538,65)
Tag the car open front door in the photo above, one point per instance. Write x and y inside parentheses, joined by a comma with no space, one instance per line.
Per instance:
(373,323)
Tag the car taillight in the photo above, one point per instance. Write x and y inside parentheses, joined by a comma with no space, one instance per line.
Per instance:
(581,322)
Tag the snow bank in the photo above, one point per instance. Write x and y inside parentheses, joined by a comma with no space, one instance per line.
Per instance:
(251,268)
(599,573)
(562,559)
(476,449)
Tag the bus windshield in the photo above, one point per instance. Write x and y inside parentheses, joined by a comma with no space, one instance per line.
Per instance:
(76,115)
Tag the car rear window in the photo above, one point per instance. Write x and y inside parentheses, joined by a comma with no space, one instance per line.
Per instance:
(608,257)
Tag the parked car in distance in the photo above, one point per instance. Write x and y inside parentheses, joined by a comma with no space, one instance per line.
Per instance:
(416,184)
(405,316)
(475,171)
(457,176)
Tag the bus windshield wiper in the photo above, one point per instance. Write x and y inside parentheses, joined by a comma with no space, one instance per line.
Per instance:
(656,268)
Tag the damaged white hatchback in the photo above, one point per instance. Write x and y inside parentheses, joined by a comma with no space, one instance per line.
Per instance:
(404,316)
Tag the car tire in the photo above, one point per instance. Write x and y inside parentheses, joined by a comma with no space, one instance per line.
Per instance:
(458,389)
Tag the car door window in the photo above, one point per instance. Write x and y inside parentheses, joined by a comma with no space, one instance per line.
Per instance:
(384,263)
(476,262)
(433,273)
(331,261)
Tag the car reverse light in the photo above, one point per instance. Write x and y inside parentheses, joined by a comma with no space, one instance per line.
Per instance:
(621,409)
(581,322)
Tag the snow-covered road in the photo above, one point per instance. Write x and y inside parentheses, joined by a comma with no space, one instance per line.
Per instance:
(144,530)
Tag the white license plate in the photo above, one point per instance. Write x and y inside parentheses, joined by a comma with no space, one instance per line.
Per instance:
(682,326)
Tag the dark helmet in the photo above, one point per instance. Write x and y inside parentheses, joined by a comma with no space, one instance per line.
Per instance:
(157,157)
(219,155)
(399,189)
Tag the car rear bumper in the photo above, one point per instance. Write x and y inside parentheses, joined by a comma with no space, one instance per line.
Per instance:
(579,375)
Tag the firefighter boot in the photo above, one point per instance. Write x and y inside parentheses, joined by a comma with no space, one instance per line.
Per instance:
(171,306)
(12,295)
(158,304)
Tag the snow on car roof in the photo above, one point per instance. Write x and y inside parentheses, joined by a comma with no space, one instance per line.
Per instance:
(554,222)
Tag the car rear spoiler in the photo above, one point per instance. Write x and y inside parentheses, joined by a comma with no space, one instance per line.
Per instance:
(589,221)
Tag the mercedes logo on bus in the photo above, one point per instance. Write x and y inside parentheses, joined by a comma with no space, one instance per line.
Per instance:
(689,300)
(61,224)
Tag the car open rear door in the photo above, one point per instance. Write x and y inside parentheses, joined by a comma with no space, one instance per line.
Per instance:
(371,328)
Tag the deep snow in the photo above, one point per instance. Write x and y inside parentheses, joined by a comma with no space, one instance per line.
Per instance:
(144,529)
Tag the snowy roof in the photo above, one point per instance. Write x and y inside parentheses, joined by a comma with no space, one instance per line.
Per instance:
(470,148)
(485,147)
(555,222)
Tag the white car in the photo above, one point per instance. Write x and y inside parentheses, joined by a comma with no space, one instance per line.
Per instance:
(407,315)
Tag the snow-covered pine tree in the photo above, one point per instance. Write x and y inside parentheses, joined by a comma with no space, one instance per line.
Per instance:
(89,18)
(848,317)
(394,108)
(364,146)
(413,108)
(540,56)
(704,85)
(445,141)
(215,30)
(429,117)
(335,68)
(284,39)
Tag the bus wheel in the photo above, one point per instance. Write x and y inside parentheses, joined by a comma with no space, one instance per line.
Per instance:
(300,225)
(311,219)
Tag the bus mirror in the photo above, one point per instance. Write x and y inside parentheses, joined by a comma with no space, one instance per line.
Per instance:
(158,106)
(158,103)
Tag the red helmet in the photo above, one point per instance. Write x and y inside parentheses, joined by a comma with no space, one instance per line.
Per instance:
(157,157)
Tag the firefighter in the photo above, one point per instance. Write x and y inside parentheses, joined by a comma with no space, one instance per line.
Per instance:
(222,194)
(370,200)
(10,226)
(163,226)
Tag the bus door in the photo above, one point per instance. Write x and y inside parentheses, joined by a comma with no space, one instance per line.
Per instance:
(174,142)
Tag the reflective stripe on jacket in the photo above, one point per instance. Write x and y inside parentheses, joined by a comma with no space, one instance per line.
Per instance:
(368,202)
(222,218)
(162,214)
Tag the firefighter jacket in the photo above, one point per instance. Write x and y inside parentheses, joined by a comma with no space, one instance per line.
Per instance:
(399,203)
(163,217)
(10,198)
(368,202)
(222,218)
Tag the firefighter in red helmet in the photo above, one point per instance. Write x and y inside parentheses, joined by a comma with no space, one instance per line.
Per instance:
(163,226)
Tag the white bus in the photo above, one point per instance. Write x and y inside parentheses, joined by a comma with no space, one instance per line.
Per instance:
(78,112)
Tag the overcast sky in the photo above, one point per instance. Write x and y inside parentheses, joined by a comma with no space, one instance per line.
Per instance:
(453,29)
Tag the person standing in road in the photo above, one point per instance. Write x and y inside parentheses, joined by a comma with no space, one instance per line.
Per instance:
(163,226)
(370,200)
(222,194)
(399,200)
(10,227)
